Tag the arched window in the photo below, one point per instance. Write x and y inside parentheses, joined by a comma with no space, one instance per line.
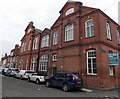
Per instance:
(91,62)
(108,31)
(55,38)
(33,63)
(43,63)
(45,41)
(35,43)
(118,36)
(69,32)
(21,64)
(69,11)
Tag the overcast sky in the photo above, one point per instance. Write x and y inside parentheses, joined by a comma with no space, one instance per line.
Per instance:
(16,14)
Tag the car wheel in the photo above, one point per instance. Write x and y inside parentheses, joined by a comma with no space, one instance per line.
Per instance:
(28,79)
(65,87)
(14,76)
(21,77)
(47,84)
(37,81)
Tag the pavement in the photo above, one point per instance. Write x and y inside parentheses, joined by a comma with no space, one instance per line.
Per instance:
(12,87)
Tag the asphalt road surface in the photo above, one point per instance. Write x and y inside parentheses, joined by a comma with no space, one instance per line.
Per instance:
(12,87)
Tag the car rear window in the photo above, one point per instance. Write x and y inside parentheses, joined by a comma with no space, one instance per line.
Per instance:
(5,69)
(65,75)
(42,74)
(15,69)
(29,72)
(76,76)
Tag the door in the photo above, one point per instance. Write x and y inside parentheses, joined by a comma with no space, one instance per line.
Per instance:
(57,79)
(54,70)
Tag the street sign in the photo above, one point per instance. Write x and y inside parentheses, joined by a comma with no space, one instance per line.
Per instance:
(113,58)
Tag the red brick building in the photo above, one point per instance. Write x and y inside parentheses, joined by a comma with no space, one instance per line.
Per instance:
(14,54)
(11,60)
(44,52)
(30,44)
(79,41)
(5,60)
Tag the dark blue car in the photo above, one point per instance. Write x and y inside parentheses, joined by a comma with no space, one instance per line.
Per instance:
(66,81)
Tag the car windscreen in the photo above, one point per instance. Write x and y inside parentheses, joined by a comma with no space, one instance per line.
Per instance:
(42,74)
(15,70)
(5,69)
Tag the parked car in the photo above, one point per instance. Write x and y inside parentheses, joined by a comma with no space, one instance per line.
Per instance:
(11,71)
(4,70)
(23,74)
(66,81)
(37,77)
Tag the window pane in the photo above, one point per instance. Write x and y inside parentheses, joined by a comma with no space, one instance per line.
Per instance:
(95,71)
(69,32)
(43,62)
(89,28)
(90,71)
(91,63)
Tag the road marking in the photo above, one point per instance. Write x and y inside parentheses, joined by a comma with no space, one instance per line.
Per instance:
(86,90)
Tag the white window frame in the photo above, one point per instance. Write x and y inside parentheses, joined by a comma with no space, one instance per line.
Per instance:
(35,43)
(118,36)
(29,45)
(33,64)
(21,64)
(89,27)
(108,31)
(55,38)
(22,47)
(27,64)
(69,32)
(91,58)
(55,57)
(45,41)
(69,11)
(43,63)
(111,70)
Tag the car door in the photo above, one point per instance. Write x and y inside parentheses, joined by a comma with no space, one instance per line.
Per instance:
(18,74)
(60,80)
(33,77)
(56,79)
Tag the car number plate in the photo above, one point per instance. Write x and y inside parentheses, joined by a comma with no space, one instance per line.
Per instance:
(78,82)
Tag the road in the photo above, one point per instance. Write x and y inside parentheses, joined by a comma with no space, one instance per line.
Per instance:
(12,87)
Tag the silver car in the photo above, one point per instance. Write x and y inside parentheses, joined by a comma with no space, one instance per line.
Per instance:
(37,77)
(23,74)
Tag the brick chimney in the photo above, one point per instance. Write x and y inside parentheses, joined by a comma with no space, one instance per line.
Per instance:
(5,54)
(31,23)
